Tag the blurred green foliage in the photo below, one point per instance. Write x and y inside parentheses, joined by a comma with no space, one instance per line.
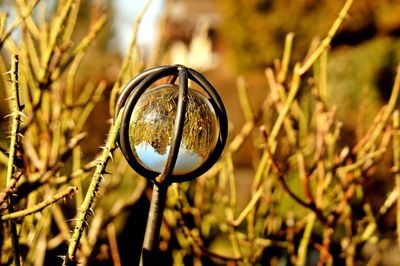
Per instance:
(255,29)
(360,78)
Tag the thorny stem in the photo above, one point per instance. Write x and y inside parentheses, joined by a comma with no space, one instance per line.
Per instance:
(55,33)
(10,188)
(44,51)
(81,48)
(16,112)
(60,195)
(343,168)
(86,207)
(28,186)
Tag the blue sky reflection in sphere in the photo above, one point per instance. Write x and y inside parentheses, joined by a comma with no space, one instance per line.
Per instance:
(152,127)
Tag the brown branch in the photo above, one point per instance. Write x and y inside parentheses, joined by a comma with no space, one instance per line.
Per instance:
(10,188)
(60,195)
(28,186)
(309,205)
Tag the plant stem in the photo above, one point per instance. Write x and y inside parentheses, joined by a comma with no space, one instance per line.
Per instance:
(19,214)
(287,51)
(16,23)
(129,57)
(16,113)
(326,42)
(86,207)
(302,251)
(396,161)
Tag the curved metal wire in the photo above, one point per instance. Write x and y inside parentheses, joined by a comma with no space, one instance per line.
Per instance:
(128,99)
(130,96)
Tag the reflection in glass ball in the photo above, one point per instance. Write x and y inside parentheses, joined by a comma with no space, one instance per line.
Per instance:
(152,127)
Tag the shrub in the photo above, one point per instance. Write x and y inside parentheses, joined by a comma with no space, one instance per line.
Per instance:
(307,201)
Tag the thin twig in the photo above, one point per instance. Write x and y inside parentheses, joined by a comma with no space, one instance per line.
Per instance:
(396,162)
(55,34)
(302,250)
(28,186)
(112,241)
(254,199)
(60,195)
(244,99)
(304,178)
(281,178)
(79,51)
(25,12)
(195,239)
(388,110)
(125,64)
(10,189)
(326,42)
(287,51)
(17,22)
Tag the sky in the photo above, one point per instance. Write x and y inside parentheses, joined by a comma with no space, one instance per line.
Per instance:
(126,12)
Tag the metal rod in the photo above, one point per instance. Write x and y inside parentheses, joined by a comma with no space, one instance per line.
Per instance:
(178,129)
(152,234)
(128,99)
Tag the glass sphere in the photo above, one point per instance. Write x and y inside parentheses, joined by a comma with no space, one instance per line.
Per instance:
(152,124)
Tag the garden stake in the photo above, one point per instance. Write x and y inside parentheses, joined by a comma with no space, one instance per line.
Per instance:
(167,149)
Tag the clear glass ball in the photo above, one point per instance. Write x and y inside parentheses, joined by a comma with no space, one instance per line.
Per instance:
(152,126)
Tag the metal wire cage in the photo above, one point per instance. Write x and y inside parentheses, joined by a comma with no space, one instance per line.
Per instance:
(130,96)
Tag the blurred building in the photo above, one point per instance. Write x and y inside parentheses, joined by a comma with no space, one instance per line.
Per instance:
(185,16)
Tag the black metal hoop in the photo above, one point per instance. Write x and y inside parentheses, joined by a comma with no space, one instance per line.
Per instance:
(129,98)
